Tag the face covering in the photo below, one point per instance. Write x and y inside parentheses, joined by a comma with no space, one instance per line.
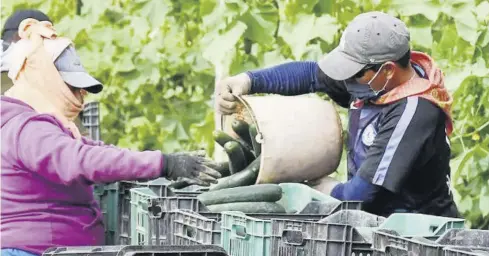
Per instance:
(36,80)
(365,91)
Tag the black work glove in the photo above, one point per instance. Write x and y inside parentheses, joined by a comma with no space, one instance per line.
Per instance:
(191,168)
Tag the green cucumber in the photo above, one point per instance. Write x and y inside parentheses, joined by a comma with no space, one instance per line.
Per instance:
(179,184)
(223,169)
(241,128)
(248,207)
(237,160)
(243,178)
(253,193)
(222,138)
(253,133)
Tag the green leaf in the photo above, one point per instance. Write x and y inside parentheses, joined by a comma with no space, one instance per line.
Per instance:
(428,9)
(181,134)
(465,204)
(455,78)
(421,36)
(217,50)
(482,11)
(293,8)
(325,27)
(125,64)
(465,20)
(484,200)
(261,25)
(155,11)
(138,122)
(484,39)
(296,35)
(207,6)
(479,68)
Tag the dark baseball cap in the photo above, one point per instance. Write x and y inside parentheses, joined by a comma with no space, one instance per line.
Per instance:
(13,22)
(71,70)
(370,38)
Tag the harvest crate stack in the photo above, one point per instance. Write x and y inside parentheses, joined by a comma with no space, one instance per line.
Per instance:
(242,218)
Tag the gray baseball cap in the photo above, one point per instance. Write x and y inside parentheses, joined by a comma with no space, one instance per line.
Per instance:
(370,38)
(71,70)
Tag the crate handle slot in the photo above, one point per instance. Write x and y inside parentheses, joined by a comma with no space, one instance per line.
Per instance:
(239,231)
(293,237)
(189,232)
(433,228)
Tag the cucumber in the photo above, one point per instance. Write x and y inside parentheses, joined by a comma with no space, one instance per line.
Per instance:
(248,207)
(243,178)
(223,169)
(237,160)
(256,146)
(222,138)
(253,193)
(241,128)
(179,184)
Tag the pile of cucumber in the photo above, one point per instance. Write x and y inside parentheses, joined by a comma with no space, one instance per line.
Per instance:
(244,158)
(235,191)
(260,198)
(243,153)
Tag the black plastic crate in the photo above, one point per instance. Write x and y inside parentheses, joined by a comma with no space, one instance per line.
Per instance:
(190,228)
(328,208)
(83,250)
(343,233)
(168,250)
(90,117)
(162,231)
(155,231)
(465,251)
(115,204)
(453,238)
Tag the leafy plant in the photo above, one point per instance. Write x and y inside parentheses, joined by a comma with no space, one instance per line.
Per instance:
(159,60)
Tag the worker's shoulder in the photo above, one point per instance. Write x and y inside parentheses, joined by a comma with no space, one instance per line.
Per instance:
(413,106)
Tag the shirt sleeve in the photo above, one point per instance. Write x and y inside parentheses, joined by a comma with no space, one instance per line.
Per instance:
(299,77)
(403,130)
(356,189)
(44,148)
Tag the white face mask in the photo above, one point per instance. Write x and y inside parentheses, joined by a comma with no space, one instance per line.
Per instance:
(371,80)
(364,91)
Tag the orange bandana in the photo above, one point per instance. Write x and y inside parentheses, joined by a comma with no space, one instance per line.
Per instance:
(432,88)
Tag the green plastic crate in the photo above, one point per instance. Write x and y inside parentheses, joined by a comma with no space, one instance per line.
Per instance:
(454,238)
(421,225)
(139,214)
(153,223)
(296,196)
(461,251)
(408,232)
(115,203)
(111,200)
(242,235)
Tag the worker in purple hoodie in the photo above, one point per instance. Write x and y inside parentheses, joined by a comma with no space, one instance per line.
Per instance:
(48,169)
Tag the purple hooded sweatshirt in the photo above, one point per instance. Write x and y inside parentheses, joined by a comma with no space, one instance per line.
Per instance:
(47,178)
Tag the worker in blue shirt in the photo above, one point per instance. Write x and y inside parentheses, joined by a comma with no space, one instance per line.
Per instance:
(399,114)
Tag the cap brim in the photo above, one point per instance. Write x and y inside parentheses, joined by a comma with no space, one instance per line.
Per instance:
(339,66)
(82,80)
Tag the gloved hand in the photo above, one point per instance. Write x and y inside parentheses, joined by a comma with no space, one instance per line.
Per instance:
(238,85)
(191,167)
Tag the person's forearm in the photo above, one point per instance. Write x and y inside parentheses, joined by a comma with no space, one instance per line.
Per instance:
(291,78)
(356,189)
(61,159)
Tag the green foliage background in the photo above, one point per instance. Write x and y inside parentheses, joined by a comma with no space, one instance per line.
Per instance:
(159,59)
